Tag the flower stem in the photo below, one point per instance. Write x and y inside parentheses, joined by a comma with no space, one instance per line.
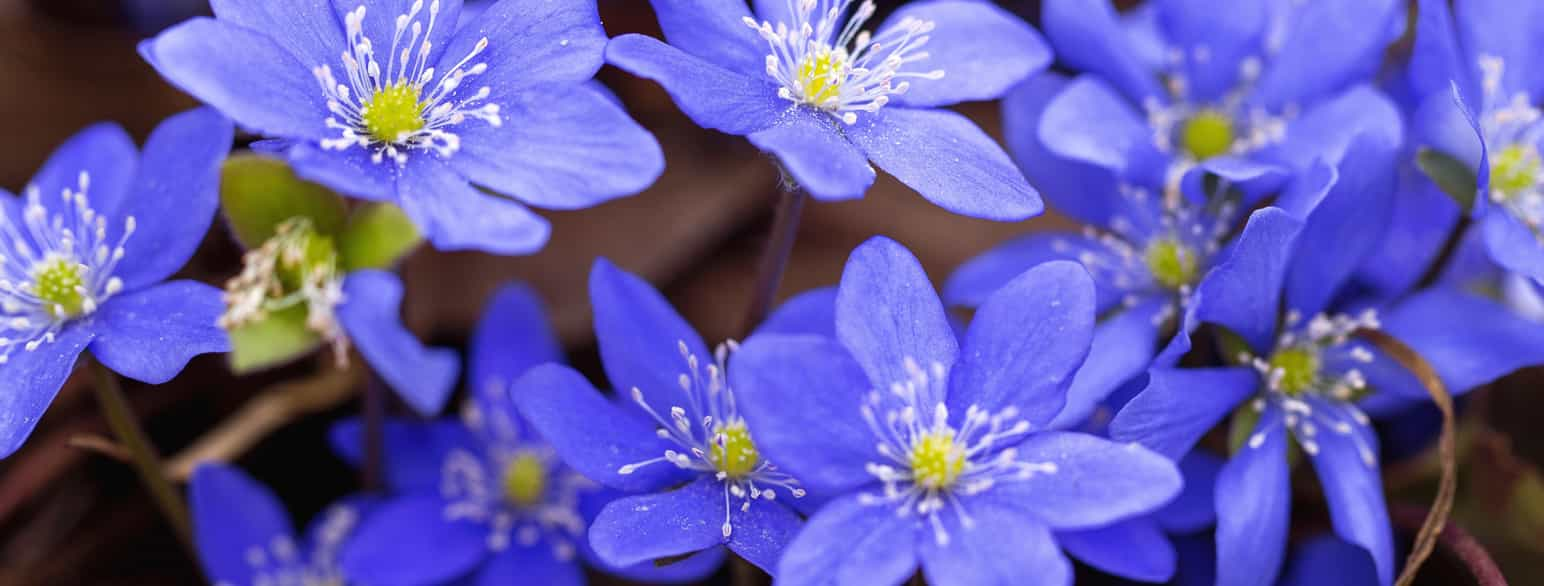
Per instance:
(121,419)
(374,441)
(774,257)
(1445,254)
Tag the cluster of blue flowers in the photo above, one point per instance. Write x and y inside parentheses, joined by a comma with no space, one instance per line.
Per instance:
(1259,185)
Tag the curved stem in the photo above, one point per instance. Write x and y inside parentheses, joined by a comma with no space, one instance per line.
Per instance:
(774,257)
(1445,254)
(120,418)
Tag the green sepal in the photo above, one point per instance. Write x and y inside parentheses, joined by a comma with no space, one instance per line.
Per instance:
(378,235)
(278,339)
(1242,425)
(1451,175)
(258,193)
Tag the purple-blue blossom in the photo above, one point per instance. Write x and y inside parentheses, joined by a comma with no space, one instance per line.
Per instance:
(244,536)
(390,100)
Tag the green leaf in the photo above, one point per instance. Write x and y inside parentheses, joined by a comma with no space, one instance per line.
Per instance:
(258,193)
(281,338)
(1451,175)
(1241,426)
(377,236)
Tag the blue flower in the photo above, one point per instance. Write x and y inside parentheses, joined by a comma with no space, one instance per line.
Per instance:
(934,452)
(804,81)
(485,498)
(244,536)
(1260,89)
(84,253)
(436,120)
(676,436)
(369,311)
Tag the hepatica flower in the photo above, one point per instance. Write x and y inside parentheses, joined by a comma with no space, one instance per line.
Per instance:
(934,452)
(244,536)
(675,435)
(809,82)
(485,498)
(84,254)
(391,100)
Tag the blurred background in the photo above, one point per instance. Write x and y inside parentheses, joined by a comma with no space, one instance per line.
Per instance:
(70,515)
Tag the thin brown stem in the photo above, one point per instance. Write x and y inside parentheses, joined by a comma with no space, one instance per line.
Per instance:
(131,437)
(774,257)
(1445,254)
(372,473)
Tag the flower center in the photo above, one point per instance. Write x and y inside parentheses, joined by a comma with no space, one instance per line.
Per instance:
(1171,263)
(525,480)
(1515,169)
(1207,134)
(734,453)
(393,114)
(297,270)
(1299,368)
(60,283)
(936,461)
(821,77)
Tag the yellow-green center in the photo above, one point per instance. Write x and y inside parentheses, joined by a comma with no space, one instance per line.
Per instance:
(1299,369)
(393,113)
(59,282)
(734,453)
(818,76)
(1172,264)
(1515,169)
(525,480)
(936,462)
(1207,134)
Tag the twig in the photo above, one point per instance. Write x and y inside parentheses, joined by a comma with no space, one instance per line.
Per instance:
(120,418)
(270,410)
(774,257)
(91,442)
(1447,450)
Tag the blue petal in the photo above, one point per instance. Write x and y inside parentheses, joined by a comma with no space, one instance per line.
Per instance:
(106,153)
(530,44)
(782,383)
(1135,549)
(849,543)
(456,216)
(1003,546)
(812,312)
(1407,248)
(1325,130)
(150,335)
(1343,228)
(1469,340)
(416,450)
(1195,508)
(424,377)
(1091,123)
(1327,561)
(1254,503)
(642,338)
(1180,405)
(1212,44)
(976,280)
(408,541)
(1085,192)
(638,529)
(1439,122)
(233,515)
(174,196)
(1243,292)
(887,313)
(715,31)
(1122,349)
(813,150)
(512,336)
(695,567)
(1330,46)
(1094,481)
(32,379)
(761,533)
(591,433)
(1512,244)
(350,171)
(948,160)
(1437,59)
(219,63)
(309,29)
(1509,31)
(1353,489)
(1025,343)
(712,96)
(561,148)
(1087,36)
(983,51)
(535,564)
